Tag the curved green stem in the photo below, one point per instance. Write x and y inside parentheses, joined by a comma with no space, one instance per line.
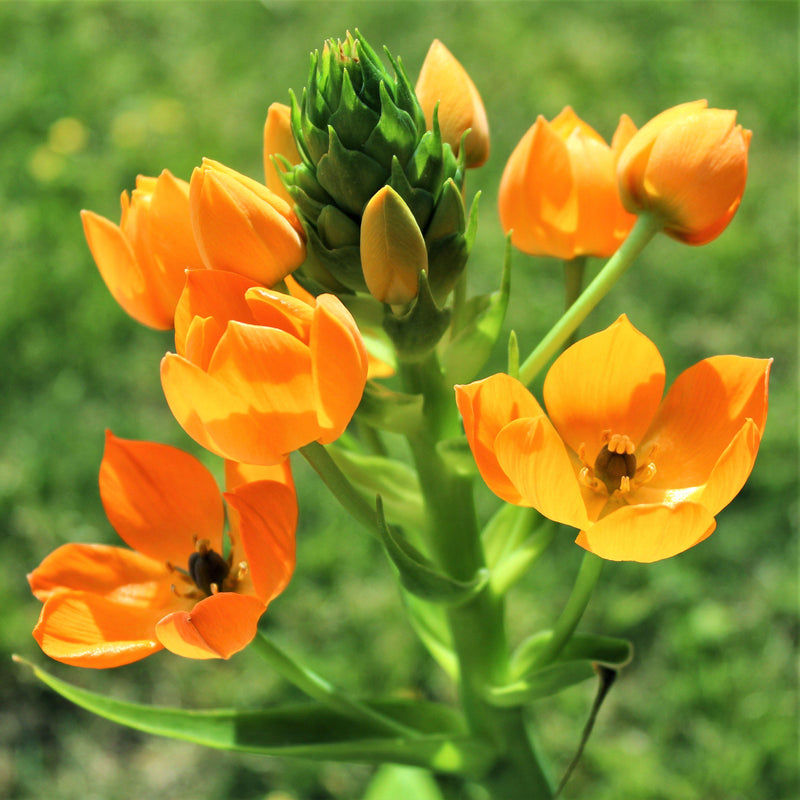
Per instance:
(643,231)
(319,689)
(341,488)
(565,626)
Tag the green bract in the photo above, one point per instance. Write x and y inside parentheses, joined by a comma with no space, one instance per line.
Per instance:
(357,129)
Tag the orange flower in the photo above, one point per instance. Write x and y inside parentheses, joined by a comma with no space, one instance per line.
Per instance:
(689,165)
(105,606)
(642,478)
(443,80)
(279,141)
(143,260)
(242,226)
(559,193)
(257,373)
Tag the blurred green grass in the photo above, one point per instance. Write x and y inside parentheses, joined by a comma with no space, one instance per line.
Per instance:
(709,706)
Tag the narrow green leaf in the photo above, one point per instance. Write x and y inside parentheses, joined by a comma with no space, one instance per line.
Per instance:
(388,410)
(430,623)
(457,455)
(391,782)
(303,730)
(544,683)
(582,646)
(396,483)
(419,575)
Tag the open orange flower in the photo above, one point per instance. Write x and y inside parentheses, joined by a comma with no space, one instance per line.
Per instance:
(257,373)
(640,477)
(143,260)
(559,193)
(242,226)
(105,606)
(443,80)
(689,165)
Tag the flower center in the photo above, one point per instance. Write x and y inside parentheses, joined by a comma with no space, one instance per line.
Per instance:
(207,568)
(615,470)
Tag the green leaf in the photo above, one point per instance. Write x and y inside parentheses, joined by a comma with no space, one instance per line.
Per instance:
(388,410)
(469,350)
(457,455)
(430,624)
(544,683)
(396,483)
(301,730)
(419,575)
(391,782)
(582,646)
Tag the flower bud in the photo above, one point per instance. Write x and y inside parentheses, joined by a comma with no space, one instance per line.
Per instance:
(278,141)
(443,81)
(558,191)
(392,248)
(688,165)
(143,260)
(241,226)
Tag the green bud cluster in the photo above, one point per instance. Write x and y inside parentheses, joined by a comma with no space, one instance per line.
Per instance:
(359,128)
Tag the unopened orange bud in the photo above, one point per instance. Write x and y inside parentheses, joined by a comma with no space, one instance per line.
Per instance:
(558,192)
(688,165)
(241,226)
(392,248)
(443,80)
(143,260)
(278,141)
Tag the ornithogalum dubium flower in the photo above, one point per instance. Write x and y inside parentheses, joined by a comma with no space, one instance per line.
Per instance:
(257,373)
(689,166)
(278,144)
(445,87)
(559,191)
(641,477)
(143,260)
(177,588)
(241,226)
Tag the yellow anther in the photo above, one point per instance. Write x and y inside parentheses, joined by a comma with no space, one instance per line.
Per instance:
(621,444)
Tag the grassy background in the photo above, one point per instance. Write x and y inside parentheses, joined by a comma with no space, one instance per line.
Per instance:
(95,93)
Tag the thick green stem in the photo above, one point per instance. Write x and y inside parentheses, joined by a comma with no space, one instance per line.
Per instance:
(643,231)
(565,625)
(319,689)
(477,626)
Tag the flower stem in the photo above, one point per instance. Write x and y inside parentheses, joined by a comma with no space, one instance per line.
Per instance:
(565,625)
(478,625)
(341,488)
(643,231)
(319,689)
(574,271)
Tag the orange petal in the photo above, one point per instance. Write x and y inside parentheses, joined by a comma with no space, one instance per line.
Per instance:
(211,293)
(487,406)
(443,80)
(647,533)
(533,456)
(281,311)
(159,499)
(537,197)
(217,627)
(237,473)
(116,260)
(266,520)
(702,413)
(339,366)
(278,141)
(612,380)
(122,575)
(88,630)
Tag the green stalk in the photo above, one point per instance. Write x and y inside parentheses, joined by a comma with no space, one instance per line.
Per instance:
(477,626)
(341,488)
(646,227)
(565,625)
(319,689)
(574,271)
